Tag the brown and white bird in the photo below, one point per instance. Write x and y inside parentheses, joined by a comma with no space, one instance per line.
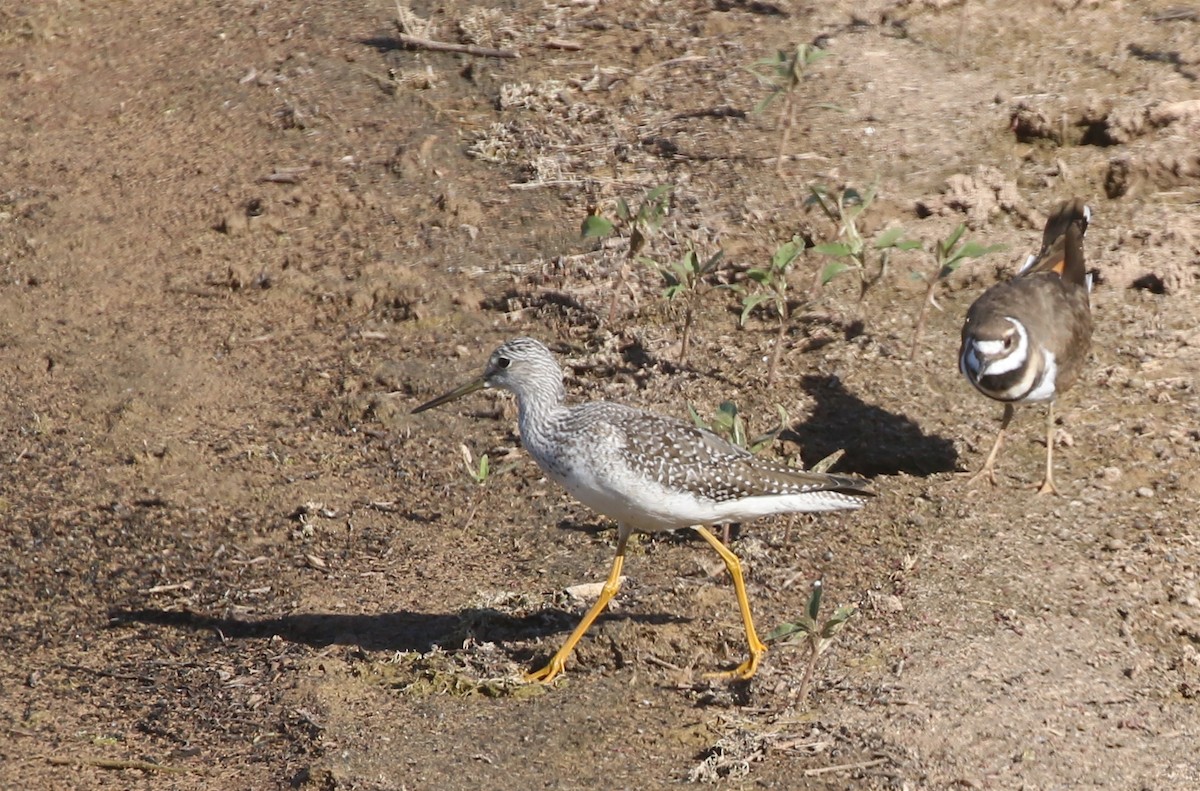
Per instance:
(1025,340)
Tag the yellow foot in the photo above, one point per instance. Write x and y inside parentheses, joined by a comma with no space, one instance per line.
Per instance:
(742,672)
(1048,487)
(548,673)
(987,472)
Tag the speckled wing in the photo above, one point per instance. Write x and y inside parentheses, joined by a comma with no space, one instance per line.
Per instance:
(684,457)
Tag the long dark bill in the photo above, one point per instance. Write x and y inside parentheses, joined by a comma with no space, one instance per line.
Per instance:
(458,392)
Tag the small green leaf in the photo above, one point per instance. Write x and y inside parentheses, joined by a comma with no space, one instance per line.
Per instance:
(951,240)
(595,225)
(833,248)
(834,625)
(786,253)
(975,250)
(814,600)
(782,631)
(764,103)
(888,238)
(759,275)
(623,210)
(832,270)
(670,292)
(779,57)
(968,250)
(765,439)
(726,417)
(749,303)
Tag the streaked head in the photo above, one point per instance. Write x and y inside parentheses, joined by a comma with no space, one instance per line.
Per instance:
(520,365)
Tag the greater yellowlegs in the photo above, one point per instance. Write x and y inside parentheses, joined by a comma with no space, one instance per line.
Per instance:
(648,473)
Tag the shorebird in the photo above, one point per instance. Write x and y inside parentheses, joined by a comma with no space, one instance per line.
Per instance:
(1025,340)
(648,473)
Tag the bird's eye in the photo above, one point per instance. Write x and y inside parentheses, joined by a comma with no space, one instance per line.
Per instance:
(503,362)
(1008,340)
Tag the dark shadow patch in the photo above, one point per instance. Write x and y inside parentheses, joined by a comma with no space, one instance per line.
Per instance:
(720,111)
(751,6)
(1096,133)
(1150,282)
(594,528)
(876,441)
(394,631)
(597,529)
(637,356)
(382,43)
(1166,57)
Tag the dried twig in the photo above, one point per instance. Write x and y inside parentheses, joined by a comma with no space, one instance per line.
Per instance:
(445,46)
(286,175)
(109,763)
(844,767)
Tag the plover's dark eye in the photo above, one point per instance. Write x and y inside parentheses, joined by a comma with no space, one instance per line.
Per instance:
(1008,341)
(503,362)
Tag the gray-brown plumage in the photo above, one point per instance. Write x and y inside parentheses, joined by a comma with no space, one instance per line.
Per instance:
(1026,340)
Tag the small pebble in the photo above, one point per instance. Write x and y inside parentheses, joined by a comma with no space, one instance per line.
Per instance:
(1145,491)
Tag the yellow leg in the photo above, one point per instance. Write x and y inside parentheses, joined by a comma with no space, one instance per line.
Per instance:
(611,586)
(1047,486)
(746,669)
(988,468)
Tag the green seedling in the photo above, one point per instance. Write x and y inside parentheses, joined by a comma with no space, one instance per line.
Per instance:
(639,225)
(947,259)
(783,74)
(479,470)
(727,422)
(771,287)
(685,281)
(852,252)
(814,635)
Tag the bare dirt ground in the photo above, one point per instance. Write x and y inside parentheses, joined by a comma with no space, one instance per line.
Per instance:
(239,241)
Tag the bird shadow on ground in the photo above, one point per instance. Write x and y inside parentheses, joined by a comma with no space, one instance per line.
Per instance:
(876,441)
(598,528)
(394,631)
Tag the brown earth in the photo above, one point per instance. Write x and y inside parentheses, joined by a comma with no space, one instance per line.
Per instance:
(239,241)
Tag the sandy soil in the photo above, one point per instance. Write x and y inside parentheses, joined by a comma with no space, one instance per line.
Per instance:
(239,241)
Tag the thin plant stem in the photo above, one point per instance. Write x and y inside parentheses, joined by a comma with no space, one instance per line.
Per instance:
(809,668)
(778,349)
(785,120)
(687,333)
(922,317)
